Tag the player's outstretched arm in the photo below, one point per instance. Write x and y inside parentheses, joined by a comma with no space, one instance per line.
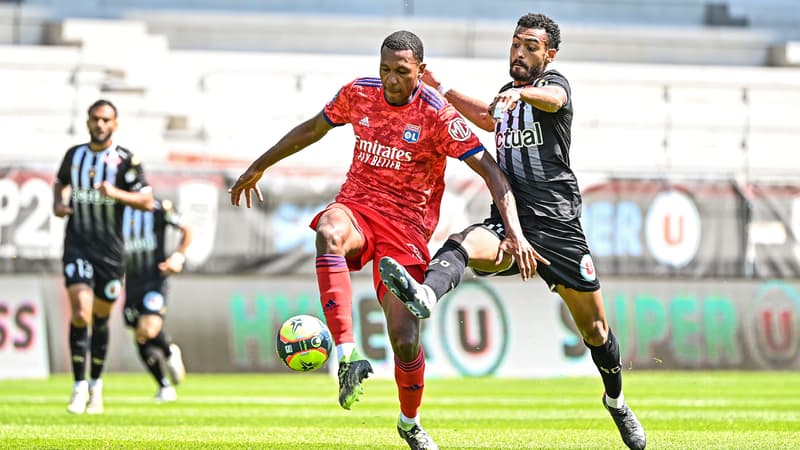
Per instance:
(295,140)
(473,109)
(514,243)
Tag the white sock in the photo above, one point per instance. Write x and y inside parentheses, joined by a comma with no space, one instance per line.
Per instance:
(81,384)
(429,294)
(344,350)
(406,423)
(617,403)
(96,383)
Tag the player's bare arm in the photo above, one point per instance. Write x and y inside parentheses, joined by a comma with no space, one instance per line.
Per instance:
(546,98)
(514,243)
(60,207)
(174,263)
(140,200)
(295,140)
(471,108)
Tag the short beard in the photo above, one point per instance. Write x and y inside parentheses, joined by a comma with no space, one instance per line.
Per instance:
(96,141)
(529,77)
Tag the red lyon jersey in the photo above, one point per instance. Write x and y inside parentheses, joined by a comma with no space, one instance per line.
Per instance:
(400,151)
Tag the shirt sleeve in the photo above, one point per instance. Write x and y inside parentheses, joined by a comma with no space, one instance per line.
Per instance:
(133,179)
(63,174)
(337,110)
(554,78)
(171,215)
(455,136)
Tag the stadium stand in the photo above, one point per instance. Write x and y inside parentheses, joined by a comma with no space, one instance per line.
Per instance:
(660,85)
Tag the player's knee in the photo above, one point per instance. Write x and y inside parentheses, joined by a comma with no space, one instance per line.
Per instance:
(330,239)
(406,349)
(81,317)
(595,333)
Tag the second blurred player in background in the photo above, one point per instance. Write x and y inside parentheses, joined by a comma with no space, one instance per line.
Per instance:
(146,270)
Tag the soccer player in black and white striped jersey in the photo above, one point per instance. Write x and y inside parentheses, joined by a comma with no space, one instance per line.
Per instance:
(532,121)
(94,183)
(147,267)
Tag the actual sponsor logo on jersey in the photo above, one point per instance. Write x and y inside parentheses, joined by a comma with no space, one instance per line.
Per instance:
(673,228)
(528,137)
(587,268)
(459,130)
(89,195)
(113,289)
(411,133)
(153,301)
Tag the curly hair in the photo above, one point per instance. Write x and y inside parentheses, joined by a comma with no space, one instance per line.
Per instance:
(545,23)
(404,40)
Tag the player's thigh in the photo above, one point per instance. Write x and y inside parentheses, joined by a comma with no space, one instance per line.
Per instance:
(483,246)
(144,297)
(588,312)
(81,299)
(148,327)
(337,231)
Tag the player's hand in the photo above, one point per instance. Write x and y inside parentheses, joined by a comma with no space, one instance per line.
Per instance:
(173,264)
(430,78)
(247,182)
(524,254)
(61,210)
(106,189)
(503,101)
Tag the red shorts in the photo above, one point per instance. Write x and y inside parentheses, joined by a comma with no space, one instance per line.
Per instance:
(382,237)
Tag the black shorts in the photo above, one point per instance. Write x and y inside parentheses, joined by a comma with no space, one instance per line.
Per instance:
(561,243)
(143,297)
(100,272)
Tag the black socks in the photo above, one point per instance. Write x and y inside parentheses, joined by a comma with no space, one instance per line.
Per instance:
(607,359)
(99,346)
(446,268)
(152,360)
(78,346)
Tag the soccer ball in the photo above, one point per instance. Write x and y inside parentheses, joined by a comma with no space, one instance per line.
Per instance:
(304,343)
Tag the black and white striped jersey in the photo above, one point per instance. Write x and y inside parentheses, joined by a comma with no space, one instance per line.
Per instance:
(144,233)
(96,221)
(533,151)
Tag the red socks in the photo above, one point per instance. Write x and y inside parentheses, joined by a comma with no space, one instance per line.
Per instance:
(410,379)
(336,296)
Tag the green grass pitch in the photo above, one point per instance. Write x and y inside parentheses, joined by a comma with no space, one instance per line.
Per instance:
(680,410)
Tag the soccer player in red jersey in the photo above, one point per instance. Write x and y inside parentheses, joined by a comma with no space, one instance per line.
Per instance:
(533,131)
(388,206)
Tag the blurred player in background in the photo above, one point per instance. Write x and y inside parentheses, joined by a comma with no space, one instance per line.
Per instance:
(388,205)
(533,132)
(95,182)
(146,270)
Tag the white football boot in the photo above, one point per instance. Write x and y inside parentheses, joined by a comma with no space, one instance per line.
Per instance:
(80,395)
(166,394)
(175,367)
(95,405)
